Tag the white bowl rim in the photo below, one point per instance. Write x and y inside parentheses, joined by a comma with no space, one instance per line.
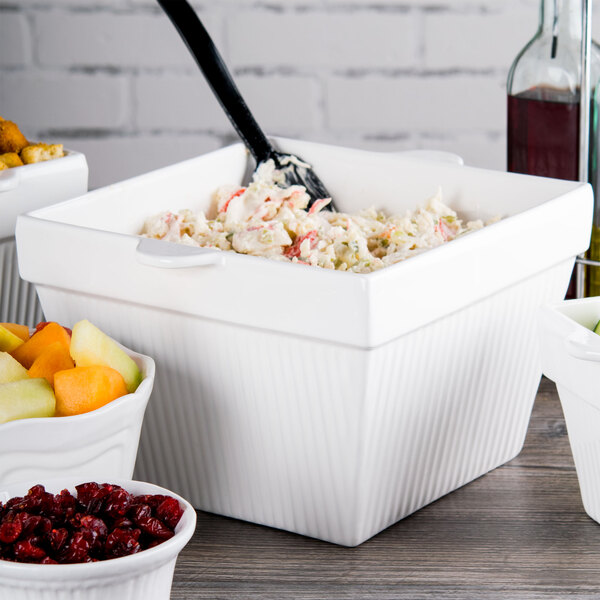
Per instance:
(132,564)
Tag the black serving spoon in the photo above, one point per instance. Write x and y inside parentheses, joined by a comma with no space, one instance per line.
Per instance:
(200,44)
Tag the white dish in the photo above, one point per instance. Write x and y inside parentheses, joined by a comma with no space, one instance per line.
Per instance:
(146,575)
(23,189)
(100,444)
(327,403)
(571,358)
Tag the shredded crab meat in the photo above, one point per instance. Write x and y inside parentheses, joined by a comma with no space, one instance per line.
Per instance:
(270,220)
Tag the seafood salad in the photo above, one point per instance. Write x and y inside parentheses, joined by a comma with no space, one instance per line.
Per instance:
(270,220)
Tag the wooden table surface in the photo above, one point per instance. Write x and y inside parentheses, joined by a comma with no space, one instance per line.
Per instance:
(518,532)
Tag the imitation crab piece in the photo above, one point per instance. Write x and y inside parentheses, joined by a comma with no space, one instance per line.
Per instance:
(225,205)
(295,251)
(319,205)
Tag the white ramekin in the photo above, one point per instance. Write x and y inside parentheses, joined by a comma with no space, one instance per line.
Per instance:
(146,575)
(99,444)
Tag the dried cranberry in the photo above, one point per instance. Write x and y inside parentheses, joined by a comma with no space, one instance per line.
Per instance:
(16,501)
(38,499)
(95,531)
(90,496)
(64,507)
(121,543)
(155,528)
(117,503)
(56,538)
(26,551)
(35,500)
(32,523)
(44,526)
(123,523)
(152,500)
(140,511)
(169,512)
(10,531)
(77,549)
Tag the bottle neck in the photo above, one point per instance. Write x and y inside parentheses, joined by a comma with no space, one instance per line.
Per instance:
(561,18)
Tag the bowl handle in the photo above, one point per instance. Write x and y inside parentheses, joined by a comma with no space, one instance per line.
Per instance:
(584,345)
(9,179)
(158,253)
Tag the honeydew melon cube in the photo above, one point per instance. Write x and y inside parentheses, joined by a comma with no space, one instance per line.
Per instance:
(90,346)
(11,369)
(25,399)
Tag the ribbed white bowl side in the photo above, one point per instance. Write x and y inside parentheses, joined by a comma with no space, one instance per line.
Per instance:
(18,299)
(154,584)
(326,440)
(101,455)
(583,426)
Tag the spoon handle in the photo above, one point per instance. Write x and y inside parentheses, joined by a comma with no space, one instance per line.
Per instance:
(200,44)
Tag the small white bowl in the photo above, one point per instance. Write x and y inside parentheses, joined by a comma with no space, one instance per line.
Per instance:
(570,352)
(23,189)
(146,575)
(101,444)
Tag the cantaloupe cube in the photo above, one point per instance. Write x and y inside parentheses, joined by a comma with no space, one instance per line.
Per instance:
(83,389)
(11,369)
(21,331)
(8,340)
(28,351)
(53,358)
(25,399)
(91,346)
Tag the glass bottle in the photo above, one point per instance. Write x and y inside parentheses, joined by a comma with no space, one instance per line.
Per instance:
(544,110)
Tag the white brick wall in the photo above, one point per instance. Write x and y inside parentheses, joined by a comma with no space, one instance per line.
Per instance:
(113,79)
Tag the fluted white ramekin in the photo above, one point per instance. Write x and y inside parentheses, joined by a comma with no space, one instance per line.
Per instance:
(99,444)
(147,575)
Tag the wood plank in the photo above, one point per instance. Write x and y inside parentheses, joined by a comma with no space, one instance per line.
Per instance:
(518,532)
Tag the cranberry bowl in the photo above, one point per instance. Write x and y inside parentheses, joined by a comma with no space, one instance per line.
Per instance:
(129,533)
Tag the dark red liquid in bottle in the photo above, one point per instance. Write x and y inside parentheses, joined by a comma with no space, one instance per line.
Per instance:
(543,133)
(543,137)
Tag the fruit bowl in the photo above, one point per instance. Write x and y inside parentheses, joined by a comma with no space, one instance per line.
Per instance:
(146,575)
(101,444)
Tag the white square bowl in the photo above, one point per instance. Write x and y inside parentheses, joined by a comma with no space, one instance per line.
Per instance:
(571,358)
(326,403)
(23,189)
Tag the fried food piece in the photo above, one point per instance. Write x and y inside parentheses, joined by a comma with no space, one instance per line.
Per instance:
(11,159)
(3,166)
(39,152)
(11,138)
